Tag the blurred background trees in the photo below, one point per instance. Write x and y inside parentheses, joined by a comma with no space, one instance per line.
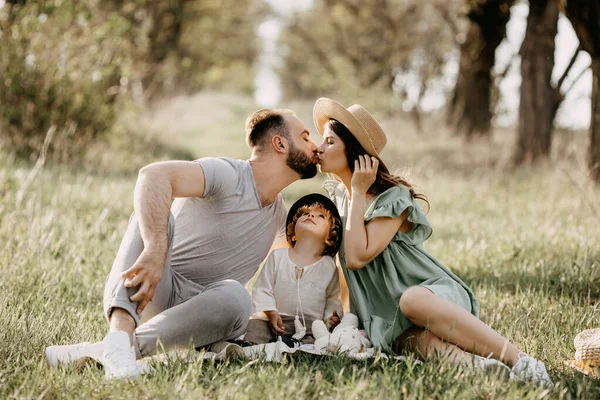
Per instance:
(74,68)
(379,49)
(585,17)
(470,107)
(539,99)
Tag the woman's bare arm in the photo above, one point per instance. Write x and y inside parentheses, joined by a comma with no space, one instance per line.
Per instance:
(362,243)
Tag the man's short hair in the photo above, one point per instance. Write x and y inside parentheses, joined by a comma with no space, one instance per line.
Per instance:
(265,123)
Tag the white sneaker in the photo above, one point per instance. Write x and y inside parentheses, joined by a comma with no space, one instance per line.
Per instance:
(75,354)
(489,364)
(118,357)
(530,369)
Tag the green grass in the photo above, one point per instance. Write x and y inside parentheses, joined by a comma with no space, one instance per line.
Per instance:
(527,242)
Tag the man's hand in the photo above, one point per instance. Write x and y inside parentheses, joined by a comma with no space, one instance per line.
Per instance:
(333,321)
(275,322)
(146,272)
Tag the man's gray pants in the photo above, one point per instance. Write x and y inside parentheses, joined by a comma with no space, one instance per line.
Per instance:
(181,313)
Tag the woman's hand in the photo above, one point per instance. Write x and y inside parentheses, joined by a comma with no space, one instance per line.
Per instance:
(365,172)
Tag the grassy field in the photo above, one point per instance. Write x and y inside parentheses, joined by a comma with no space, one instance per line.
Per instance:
(527,241)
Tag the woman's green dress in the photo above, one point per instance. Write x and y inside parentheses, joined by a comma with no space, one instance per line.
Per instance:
(375,290)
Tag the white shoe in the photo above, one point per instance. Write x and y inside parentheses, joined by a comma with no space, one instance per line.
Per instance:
(489,364)
(529,369)
(75,354)
(118,357)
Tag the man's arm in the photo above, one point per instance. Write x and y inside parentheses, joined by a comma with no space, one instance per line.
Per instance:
(155,189)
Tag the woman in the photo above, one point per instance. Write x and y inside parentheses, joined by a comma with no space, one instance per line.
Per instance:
(405,299)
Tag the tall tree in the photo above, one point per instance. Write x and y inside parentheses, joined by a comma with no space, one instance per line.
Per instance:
(469,111)
(539,98)
(585,18)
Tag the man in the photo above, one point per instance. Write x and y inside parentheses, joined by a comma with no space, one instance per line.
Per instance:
(179,275)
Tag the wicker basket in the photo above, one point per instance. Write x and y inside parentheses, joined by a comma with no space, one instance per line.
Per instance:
(587,347)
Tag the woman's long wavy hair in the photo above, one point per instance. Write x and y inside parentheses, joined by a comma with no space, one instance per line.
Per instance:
(384,179)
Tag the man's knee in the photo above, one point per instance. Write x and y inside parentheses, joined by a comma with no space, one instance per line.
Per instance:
(241,300)
(235,306)
(235,298)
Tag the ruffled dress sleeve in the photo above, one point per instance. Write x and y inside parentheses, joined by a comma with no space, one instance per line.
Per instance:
(335,191)
(392,204)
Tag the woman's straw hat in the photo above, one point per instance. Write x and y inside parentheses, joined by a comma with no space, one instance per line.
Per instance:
(587,347)
(358,121)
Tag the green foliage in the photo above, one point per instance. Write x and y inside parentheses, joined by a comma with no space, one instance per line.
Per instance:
(356,49)
(201,44)
(71,66)
(61,65)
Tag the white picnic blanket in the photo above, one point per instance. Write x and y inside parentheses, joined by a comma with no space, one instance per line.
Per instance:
(270,352)
(275,351)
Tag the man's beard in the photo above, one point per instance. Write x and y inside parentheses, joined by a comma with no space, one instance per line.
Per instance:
(301,163)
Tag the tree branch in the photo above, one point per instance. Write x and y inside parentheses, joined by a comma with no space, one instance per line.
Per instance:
(576,79)
(568,69)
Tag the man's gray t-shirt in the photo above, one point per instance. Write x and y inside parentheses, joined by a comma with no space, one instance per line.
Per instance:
(227,233)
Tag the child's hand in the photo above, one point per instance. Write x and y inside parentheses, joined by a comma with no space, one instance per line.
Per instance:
(275,322)
(333,321)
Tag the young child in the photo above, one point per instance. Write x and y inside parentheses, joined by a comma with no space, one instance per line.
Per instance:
(300,284)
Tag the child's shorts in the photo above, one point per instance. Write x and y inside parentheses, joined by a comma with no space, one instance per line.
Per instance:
(259,331)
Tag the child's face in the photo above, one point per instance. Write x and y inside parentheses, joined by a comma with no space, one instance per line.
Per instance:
(313,222)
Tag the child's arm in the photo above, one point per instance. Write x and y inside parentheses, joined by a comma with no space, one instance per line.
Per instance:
(275,322)
(263,298)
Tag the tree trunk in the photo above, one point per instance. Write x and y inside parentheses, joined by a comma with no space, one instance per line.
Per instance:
(167,23)
(594,150)
(539,99)
(470,111)
(585,18)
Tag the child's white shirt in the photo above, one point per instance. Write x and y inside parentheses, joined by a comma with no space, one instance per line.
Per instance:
(317,292)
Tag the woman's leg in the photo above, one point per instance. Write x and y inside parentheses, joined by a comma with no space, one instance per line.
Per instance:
(429,346)
(451,323)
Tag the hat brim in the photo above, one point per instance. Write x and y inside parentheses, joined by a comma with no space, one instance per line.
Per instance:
(326,109)
(311,199)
